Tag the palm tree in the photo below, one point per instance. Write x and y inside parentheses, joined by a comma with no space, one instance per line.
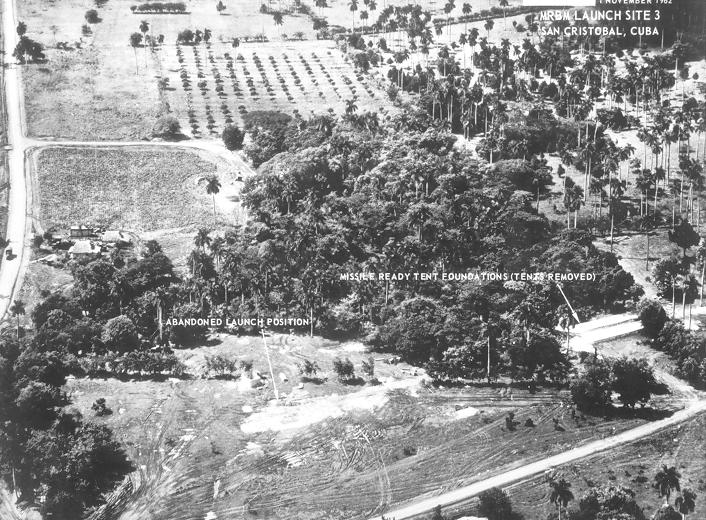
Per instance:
(320,4)
(466,10)
(686,502)
(17,309)
(213,186)
(701,256)
(447,9)
(160,299)
(144,26)
(561,494)
(504,4)
(573,198)
(279,20)
(353,6)
(135,41)
(202,239)
(218,248)
(54,29)
(489,24)
(416,216)
(351,107)
(666,480)
(472,41)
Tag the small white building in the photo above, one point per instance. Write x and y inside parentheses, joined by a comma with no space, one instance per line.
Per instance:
(115,237)
(84,249)
(80,231)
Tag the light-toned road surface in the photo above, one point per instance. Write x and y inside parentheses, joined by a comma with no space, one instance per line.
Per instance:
(462,495)
(17,223)
(585,335)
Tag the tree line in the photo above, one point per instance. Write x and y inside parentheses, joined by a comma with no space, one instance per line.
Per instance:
(597,503)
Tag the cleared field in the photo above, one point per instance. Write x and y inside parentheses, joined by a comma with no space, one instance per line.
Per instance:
(103,89)
(632,466)
(241,18)
(91,93)
(211,85)
(138,189)
(329,450)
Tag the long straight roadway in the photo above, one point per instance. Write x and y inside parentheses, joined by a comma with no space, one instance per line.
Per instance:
(17,222)
(584,337)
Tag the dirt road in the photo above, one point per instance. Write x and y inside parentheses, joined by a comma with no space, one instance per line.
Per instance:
(585,336)
(462,495)
(17,223)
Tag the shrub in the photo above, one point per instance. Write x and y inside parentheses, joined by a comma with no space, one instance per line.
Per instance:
(167,127)
(233,137)
(494,504)
(368,367)
(120,334)
(222,367)
(592,389)
(185,36)
(522,174)
(633,381)
(28,51)
(652,316)
(159,7)
(308,368)
(392,91)
(149,363)
(100,407)
(182,335)
(91,16)
(344,369)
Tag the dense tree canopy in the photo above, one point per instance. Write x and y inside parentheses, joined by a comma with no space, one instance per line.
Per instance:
(352,195)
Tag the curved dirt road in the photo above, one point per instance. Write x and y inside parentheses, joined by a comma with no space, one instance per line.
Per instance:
(19,214)
(584,336)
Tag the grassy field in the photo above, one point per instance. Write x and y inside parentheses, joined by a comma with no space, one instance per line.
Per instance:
(135,189)
(91,94)
(328,450)
(241,18)
(103,89)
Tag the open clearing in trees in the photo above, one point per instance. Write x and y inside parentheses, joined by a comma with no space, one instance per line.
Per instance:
(357,448)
